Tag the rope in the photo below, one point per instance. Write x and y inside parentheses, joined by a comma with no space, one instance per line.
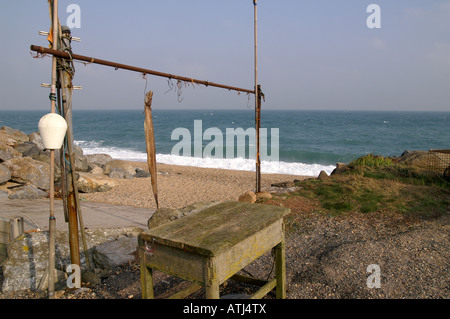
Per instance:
(144,76)
(35,224)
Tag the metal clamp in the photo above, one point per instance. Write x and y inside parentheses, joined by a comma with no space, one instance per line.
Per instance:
(150,249)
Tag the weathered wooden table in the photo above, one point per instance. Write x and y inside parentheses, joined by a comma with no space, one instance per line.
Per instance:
(212,245)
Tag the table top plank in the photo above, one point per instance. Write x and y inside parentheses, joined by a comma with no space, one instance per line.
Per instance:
(212,230)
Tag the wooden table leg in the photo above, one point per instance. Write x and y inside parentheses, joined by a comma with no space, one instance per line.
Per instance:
(280,270)
(212,292)
(146,277)
(211,281)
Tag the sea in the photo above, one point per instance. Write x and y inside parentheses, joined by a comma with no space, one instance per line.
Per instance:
(297,142)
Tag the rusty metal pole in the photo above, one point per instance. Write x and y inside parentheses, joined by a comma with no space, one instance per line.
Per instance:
(65,80)
(257,103)
(52,220)
(72,207)
(66,73)
(62,161)
(65,55)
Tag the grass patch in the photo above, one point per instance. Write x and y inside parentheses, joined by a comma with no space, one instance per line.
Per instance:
(372,161)
(369,201)
(376,184)
(403,174)
(343,194)
(426,201)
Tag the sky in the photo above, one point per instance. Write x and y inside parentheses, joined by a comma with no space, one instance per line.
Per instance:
(312,54)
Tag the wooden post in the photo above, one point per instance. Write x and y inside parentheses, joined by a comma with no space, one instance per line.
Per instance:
(257,103)
(52,220)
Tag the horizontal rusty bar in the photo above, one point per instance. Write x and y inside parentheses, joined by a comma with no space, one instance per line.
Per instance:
(65,55)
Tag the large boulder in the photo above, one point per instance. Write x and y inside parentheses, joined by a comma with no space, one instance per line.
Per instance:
(163,216)
(13,134)
(140,173)
(263,195)
(89,183)
(119,173)
(29,149)
(98,159)
(81,164)
(340,168)
(81,161)
(27,260)
(283,187)
(5,174)
(126,166)
(124,169)
(27,192)
(115,252)
(26,263)
(322,175)
(166,215)
(27,170)
(36,138)
(7,152)
(247,197)
(7,144)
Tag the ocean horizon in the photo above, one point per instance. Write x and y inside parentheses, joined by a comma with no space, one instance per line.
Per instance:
(308,141)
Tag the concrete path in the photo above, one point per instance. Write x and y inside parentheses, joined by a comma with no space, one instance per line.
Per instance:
(36,214)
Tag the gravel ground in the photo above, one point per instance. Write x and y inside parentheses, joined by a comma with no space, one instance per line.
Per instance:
(326,257)
(332,260)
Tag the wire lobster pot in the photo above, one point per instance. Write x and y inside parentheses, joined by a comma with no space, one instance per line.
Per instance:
(439,162)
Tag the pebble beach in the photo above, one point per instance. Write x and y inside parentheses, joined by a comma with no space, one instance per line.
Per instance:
(179,186)
(326,257)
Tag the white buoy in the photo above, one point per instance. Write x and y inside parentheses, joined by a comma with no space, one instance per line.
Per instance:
(53,128)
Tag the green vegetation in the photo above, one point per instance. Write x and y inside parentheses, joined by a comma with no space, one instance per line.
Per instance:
(377,184)
(372,160)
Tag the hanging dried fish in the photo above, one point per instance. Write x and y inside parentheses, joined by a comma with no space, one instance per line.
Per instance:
(150,144)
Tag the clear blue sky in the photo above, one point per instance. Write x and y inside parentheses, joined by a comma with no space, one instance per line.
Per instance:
(312,54)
